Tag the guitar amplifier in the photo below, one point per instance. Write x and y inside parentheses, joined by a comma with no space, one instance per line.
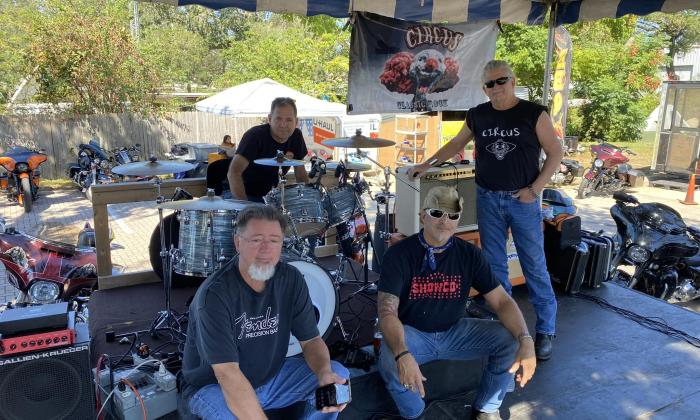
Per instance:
(410,194)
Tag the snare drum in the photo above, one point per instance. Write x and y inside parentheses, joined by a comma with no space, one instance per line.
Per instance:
(324,296)
(195,246)
(341,203)
(304,203)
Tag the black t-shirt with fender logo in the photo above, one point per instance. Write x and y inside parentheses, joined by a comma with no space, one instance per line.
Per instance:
(506,144)
(435,300)
(231,322)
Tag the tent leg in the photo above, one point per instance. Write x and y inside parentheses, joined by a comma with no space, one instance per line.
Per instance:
(550,53)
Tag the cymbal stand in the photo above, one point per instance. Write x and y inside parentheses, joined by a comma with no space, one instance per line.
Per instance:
(384,196)
(166,320)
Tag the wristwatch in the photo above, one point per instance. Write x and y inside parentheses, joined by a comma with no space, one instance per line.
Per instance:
(532,191)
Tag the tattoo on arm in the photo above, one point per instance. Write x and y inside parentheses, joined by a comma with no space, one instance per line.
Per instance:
(387,304)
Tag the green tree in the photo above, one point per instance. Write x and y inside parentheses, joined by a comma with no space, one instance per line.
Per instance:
(286,50)
(14,38)
(679,32)
(179,56)
(525,48)
(84,54)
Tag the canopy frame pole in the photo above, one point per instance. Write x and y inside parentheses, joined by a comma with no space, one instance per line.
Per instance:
(550,53)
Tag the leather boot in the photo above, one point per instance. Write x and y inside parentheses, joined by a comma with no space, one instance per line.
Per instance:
(543,346)
(479,415)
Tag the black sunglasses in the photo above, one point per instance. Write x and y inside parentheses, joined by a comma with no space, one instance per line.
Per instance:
(500,81)
(437,213)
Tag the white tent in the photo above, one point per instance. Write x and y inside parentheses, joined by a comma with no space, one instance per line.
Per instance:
(253,99)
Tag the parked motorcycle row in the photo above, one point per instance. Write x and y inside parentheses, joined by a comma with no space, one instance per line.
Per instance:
(94,163)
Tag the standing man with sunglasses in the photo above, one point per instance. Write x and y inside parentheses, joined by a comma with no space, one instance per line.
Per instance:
(509,134)
(423,291)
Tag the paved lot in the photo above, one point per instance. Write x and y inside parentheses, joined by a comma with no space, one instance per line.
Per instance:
(59,214)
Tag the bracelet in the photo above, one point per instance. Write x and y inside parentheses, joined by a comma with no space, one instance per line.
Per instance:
(524,335)
(400,355)
(532,191)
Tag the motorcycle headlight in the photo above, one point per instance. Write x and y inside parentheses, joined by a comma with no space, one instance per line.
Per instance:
(43,292)
(598,163)
(638,254)
(22,167)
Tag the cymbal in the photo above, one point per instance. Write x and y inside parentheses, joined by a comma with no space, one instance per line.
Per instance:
(349,166)
(152,168)
(358,141)
(279,162)
(207,203)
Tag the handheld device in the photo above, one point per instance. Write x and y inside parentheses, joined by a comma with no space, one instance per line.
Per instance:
(332,395)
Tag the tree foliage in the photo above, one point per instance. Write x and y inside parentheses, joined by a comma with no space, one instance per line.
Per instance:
(14,36)
(614,68)
(679,32)
(288,50)
(84,54)
(525,48)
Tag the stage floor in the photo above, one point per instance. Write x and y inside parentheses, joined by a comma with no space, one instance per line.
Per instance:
(604,365)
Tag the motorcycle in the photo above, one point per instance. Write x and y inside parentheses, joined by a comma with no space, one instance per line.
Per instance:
(665,253)
(93,166)
(197,154)
(123,155)
(568,170)
(21,182)
(46,271)
(609,170)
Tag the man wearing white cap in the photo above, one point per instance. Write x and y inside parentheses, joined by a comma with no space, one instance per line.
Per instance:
(423,290)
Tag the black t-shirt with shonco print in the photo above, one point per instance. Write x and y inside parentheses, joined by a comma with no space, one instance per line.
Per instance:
(435,300)
(231,322)
(506,145)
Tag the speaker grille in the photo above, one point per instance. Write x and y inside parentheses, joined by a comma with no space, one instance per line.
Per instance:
(50,385)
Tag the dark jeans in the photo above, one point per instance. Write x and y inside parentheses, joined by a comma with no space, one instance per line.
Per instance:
(470,338)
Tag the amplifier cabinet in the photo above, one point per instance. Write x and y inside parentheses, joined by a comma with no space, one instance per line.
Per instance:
(53,384)
(410,194)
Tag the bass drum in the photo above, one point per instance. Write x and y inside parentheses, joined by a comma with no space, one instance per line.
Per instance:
(172,237)
(322,291)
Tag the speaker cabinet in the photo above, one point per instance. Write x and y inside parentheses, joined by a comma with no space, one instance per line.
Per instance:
(54,384)
(410,194)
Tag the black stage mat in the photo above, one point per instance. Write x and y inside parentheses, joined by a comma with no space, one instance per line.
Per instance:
(134,308)
(604,365)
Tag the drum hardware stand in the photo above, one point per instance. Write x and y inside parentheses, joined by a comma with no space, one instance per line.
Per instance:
(166,320)
(384,196)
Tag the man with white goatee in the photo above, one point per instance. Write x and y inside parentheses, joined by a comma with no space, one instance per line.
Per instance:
(241,318)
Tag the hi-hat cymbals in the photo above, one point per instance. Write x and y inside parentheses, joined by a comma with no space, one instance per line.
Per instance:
(152,168)
(349,166)
(279,162)
(358,141)
(207,203)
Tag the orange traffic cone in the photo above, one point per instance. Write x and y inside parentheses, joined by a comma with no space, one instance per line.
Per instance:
(689,199)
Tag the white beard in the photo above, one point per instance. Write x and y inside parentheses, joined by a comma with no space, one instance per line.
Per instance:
(261,272)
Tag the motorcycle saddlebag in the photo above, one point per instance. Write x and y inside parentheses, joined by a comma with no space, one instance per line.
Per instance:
(635,178)
(598,268)
(562,232)
(567,267)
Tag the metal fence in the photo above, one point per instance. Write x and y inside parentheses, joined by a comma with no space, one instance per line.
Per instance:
(58,134)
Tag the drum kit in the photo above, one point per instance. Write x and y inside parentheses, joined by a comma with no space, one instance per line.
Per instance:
(208,224)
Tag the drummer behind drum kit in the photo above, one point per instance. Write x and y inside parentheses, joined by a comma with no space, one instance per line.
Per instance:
(208,224)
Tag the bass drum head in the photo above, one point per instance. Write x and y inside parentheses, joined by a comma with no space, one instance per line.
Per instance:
(324,297)
(172,236)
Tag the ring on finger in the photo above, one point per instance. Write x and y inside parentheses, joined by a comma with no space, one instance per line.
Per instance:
(407,386)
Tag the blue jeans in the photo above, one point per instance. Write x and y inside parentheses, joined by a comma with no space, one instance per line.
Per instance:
(496,211)
(294,382)
(468,339)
